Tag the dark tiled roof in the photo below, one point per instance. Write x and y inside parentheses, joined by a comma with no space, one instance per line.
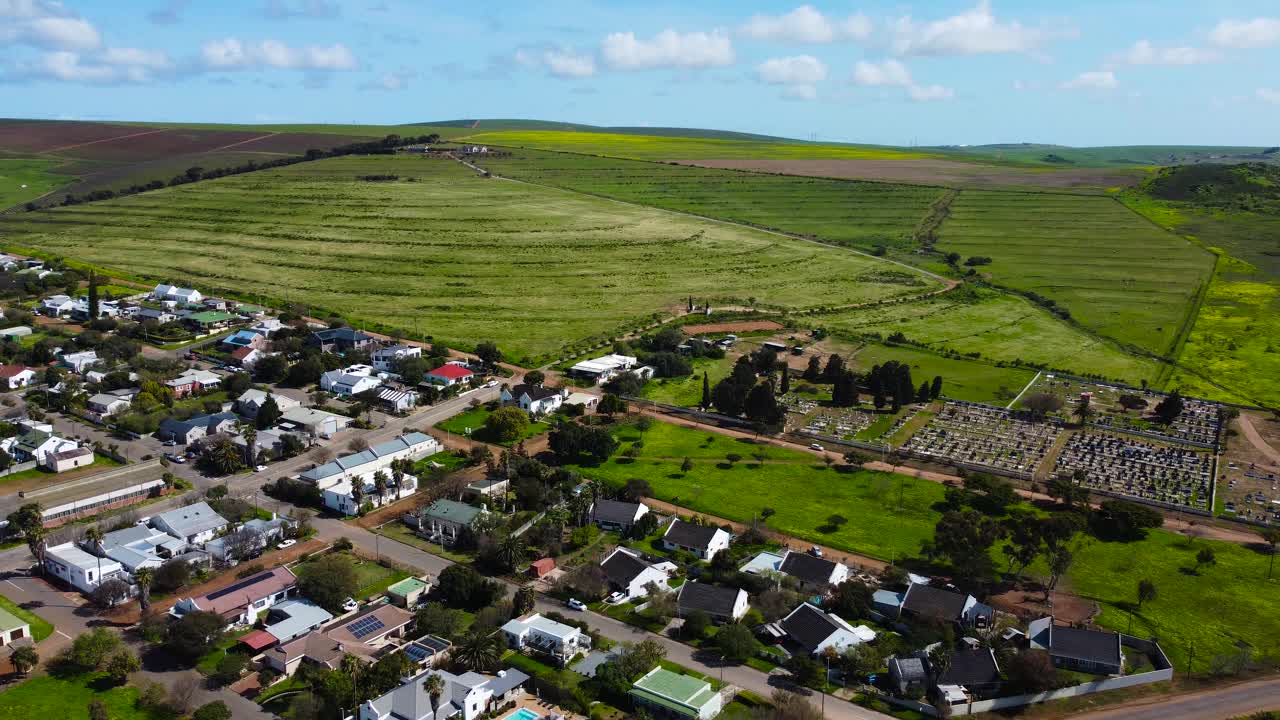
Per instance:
(971,667)
(615,511)
(807,567)
(711,599)
(622,567)
(343,333)
(934,602)
(690,535)
(535,392)
(809,626)
(1091,645)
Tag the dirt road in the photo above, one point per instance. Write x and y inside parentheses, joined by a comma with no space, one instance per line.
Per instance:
(1256,440)
(1231,701)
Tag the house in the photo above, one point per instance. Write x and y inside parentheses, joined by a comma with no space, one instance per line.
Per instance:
(185,432)
(316,648)
(813,630)
(365,636)
(448,375)
(428,651)
(397,401)
(362,465)
(542,567)
(14,333)
(316,423)
(240,602)
(669,694)
(193,381)
(78,362)
(703,541)
(339,340)
(616,514)
(265,327)
(443,519)
(465,697)
(249,540)
(340,497)
(251,401)
(631,575)
(141,547)
(931,603)
(106,308)
(908,675)
(12,628)
(287,621)
(175,294)
(386,359)
(160,316)
(976,671)
(723,604)
(37,445)
(246,357)
(196,523)
(1078,649)
(408,591)
(106,404)
(57,306)
(79,569)
(370,632)
(487,487)
(586,400)
(814,573)
(764,563)
(68,459)
(349,381)
(209,320)
(555,640)
(603,369)
(13,377)
(534,399)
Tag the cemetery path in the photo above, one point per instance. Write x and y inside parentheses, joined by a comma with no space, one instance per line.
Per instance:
(1256,440)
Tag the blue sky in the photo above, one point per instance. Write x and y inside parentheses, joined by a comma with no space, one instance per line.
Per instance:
(1089,72)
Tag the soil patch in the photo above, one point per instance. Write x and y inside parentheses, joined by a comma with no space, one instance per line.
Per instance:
(935,172)
(744,326)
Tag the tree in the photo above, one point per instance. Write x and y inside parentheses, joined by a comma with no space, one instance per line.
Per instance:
(462,587)
(965,538)
(788,705)
(144,577)
(90,650)
(762,405)
(512,550)
(28,520)
(488,353)
(805,669)
(329,581)
(736,643)
(24,659)
(436,619)
(639,658)
(269,414)
(785,386)
(109,592)
(93,295)
(1124,520)
(1168,409)
(686,465)
(1272,537)
(433,686)
(1082,409)
(216,710)
(1032,671)
(121,664)
(706,391)
(523,601)
(172,575)
(1130,401)
(223,457)
(1146,591)
(1206,556)
(1067,492)
(612,405)
(935,389)
(813,373)
(229,668)
(195,634)
(479,651)
(1041,404)
(695,625)
(1059,560)
(506,424)
(94,535)
(1025,542)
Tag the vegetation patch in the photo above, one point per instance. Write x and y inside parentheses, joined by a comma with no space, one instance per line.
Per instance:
(40,628)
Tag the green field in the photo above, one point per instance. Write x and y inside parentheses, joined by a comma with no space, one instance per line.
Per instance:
(842,211)
(450,254)
(687,391)
(473,420)
(1119,155)
(998,326)
(650,147)
(38,176)
(1113,270)
(40,628)
(67,698)
(962,379)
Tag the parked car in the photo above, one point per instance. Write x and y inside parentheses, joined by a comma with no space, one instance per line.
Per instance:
(288,543)
(170,443)
(615,598)
(815,551)
(350,604)
(176,458)
(260,468)
(816,446)
(575,604)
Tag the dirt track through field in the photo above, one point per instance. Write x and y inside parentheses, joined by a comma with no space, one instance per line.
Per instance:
(242,142)
(750,326)
(1256,440)
(105,140)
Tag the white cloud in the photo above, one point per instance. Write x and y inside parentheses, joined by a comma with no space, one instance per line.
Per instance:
(114,66)
(566,64)
(800,92)
(889,72)
(392,81)
(1269,95)
(233,54)
(1144,53)
(667,49)
(1092,80)
(973,32)
(1244,34)
(799,70)
(929,93)
(46,25)
(806,25)
(136,57)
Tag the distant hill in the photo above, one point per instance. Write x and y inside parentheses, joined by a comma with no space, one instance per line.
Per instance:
(495,125)
(1254,187)
(1119,155)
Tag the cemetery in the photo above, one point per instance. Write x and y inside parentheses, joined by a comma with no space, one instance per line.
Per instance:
(1140,469)
(985,437)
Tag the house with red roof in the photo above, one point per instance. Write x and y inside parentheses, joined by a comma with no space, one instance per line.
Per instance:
(13,377)
(448,375)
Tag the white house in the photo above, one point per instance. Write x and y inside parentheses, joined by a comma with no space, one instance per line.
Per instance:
(362,465)
(78,362)
(385,359)
(448,374)
(339,497)
(69,459)
(13,377)
(316,423)
(36,445)
(534,399)
(349,381)
(80,569)
(465,697)
(240,603)
(12,628)
(57,306)
(704,541)
(603,368)
(814,630)
(669,694)
(249,539)
(180,295)
(536,633)
(397,400)
(251,401)
(722,604)
(141,547)
(105,404)
(630,574)
(197,524)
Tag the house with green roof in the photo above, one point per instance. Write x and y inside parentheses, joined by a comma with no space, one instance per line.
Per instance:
(406,592)
(210,319)
(12,628)
(670,694)
(442,520)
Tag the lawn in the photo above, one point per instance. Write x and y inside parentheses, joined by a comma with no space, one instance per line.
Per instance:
(40,628)
(450,460)
(37,175)
(209,661)
(67,698)
(1116,272)
(371,578)
(687,391)
(473,420)
(400,532)
(100,462)
(541,271)
(962,379)
(849,212)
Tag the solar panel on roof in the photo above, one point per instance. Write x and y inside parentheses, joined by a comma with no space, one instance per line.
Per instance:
(417,653)
(365,626)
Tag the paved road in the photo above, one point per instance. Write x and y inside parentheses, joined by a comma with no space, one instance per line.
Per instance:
(1233,701)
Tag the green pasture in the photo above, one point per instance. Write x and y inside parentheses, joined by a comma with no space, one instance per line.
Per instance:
(650,147)
(474,419)
(37,174)
(962,379)
(445,251)
(997,326)
(687,390)
(1114,156)
(67,698)
(1117,273)
(841,211)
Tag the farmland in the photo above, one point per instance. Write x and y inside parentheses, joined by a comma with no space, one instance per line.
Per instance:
(963,379)
(1091,255)
(645,147)
(446,253)
(37,175)
(852,213)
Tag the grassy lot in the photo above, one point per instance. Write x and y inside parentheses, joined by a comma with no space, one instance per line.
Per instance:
(400,532)
(652,147)
(483,259)
(371,578)
(100,462)
(474,419)
(40,628)
(450,460)
(288,685)
(67,698)
(843,211)
(961,379)
(1091,255)
(997,326)
(36,174)
(687,391)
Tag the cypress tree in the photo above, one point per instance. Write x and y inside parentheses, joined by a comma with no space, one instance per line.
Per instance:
(93,296)
(786,380)
(936,390)
(706,391)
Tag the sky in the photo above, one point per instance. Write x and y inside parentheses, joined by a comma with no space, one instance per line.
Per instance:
(1087,72)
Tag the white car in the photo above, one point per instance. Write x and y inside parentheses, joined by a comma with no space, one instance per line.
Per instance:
(816,446)
(575,604)
(350,604)
(260,468)
(615,598)
(288,543)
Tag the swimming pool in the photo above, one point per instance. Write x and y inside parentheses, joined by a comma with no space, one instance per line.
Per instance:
(523,714)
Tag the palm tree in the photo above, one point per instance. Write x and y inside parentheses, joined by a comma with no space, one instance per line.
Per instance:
(1083,411)
(511,550)
(478,651)
(357,493)
(398,471)
(434,687)
(380,485)
(144,577)
(95,535)
(250,435)
(24,658)
(224,457)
